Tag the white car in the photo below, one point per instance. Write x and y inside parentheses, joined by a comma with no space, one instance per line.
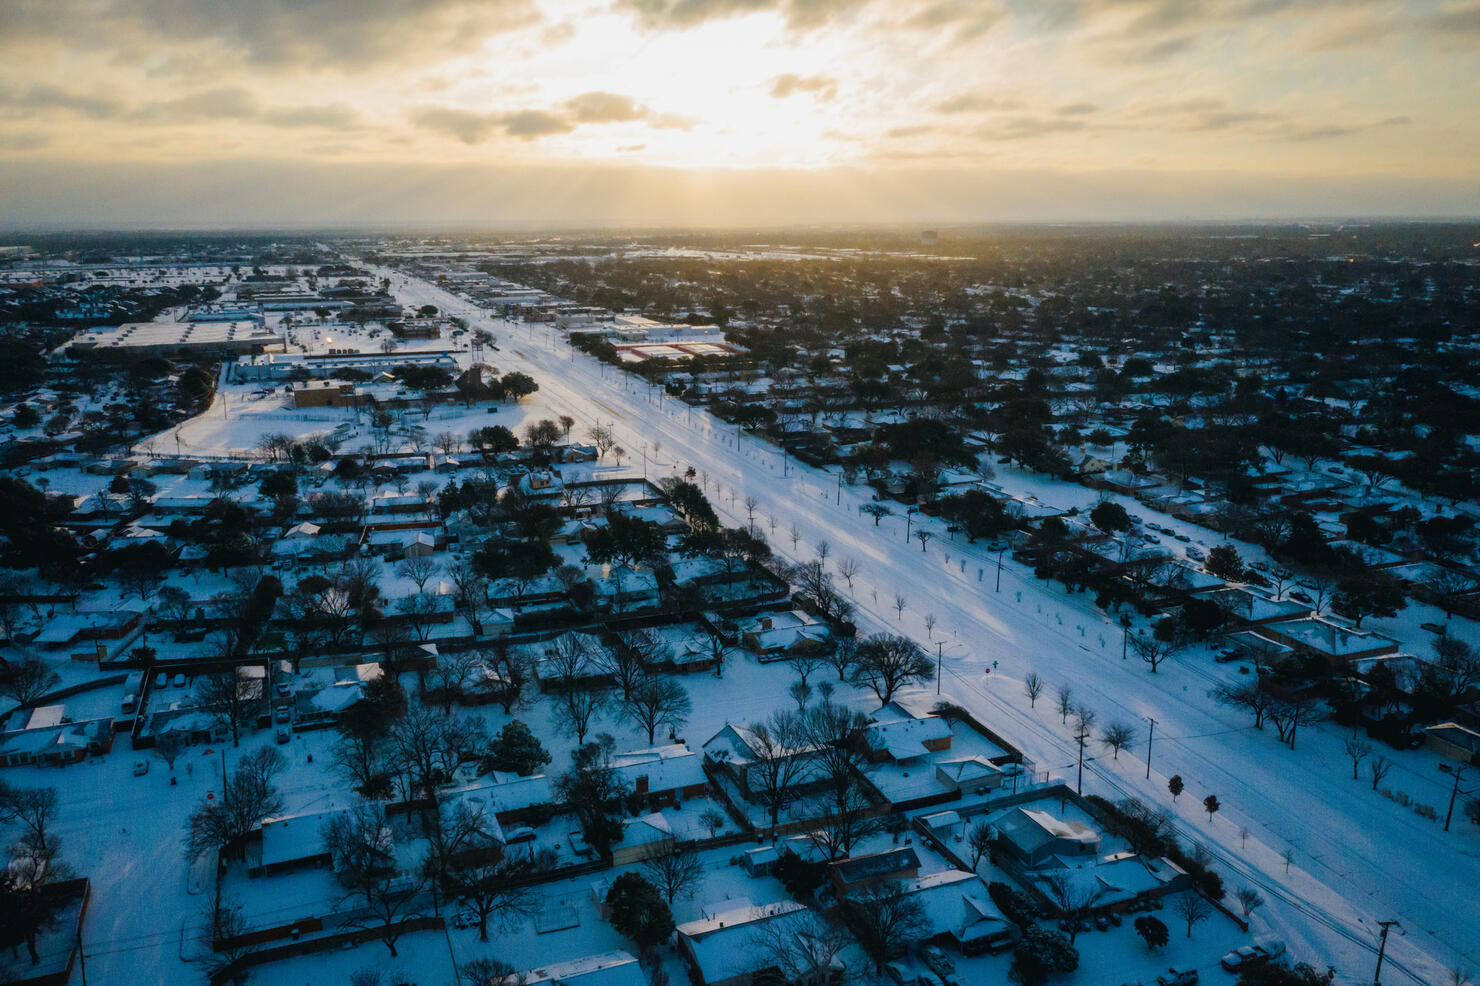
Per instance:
(141,767)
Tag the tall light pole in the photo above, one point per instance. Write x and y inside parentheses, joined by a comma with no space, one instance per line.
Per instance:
(939,644)
(1000,552)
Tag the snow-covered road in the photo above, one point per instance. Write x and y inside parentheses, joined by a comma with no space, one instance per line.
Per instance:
(1358,858)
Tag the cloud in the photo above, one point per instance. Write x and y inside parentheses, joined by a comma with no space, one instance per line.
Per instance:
(308,33)
(970,19)
(530,124)
(975,101)
(604,107)
(474,128)
(28,140)
(1077,109)
(821,86)
(43,98)
(1331,130)
(335,116)
(230,103)
(1028,128)
(801,15)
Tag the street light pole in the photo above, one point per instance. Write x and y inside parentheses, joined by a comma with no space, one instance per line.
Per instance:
(1000,552)
(938,645)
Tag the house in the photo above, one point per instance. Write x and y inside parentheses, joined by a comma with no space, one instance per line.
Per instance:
(736,751)
(665,775)
(969,775)
(898,735)
(1111,883)
(720,947)
(615,968)
(1450,739)
(776,634)
(853,874)
(49,739)
(1033,836)
(543,482)
(642,838)
(758,861)
(958,909)
(288,842)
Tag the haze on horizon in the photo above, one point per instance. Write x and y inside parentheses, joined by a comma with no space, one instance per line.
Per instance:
(720,112)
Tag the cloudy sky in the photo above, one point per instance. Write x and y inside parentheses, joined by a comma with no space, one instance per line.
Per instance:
(266,112)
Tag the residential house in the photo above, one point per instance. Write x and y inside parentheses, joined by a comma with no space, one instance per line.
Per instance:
(1034,836)
(720,947)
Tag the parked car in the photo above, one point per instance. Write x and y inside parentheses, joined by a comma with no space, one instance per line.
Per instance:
(161,679)
(1187,977)
(283,735)
(1195,553)
(179,680)
(940,964)
(1301,597)
(141,767)
(283,714)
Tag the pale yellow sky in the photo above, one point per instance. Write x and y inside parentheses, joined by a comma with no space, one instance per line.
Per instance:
(106,104)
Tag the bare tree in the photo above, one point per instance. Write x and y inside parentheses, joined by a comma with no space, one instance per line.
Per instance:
(658,702)
(1357,749)
(1378,768)
(249,796)
(1074,898)
(887,662)
(1151,650)
(577,709)
(1033,685)
(675,870)
(848,571)
(900,605)
(28,680)
(805,950)
(779,760)
(1065,697)
(419,569)
(979,840)
(1117,736)
(1190,907)
(168,747)
(378,894)
(885,919)
(232,697)
(1249,900)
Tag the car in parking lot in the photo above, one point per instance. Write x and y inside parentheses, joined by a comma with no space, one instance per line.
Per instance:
(141,767)
(1174,977)
(1301,597)
(179,680)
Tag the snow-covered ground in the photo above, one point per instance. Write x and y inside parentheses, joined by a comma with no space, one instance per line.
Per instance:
(1358,858)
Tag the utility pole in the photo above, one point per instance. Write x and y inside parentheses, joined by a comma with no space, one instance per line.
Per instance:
(840,487)
(1081,736)
(1149,737)
(1453,793)
(1381,949)
(999,566)
(939,644)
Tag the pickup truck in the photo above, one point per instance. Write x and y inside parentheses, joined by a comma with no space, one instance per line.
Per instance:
(1249,955)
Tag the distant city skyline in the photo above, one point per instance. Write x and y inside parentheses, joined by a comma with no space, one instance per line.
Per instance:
(190,113)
